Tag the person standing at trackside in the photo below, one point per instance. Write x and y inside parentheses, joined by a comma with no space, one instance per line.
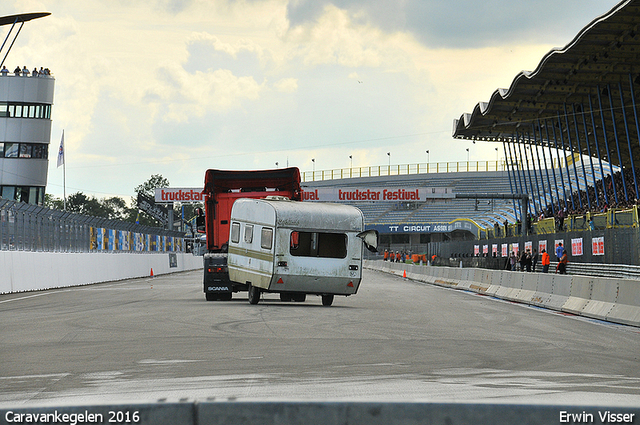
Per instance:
(562,263)
(546,261)
(527,261)
(513,261)
(534,260)
(386,254)
(559,251)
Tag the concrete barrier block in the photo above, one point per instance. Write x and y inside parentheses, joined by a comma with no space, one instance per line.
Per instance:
(65,269)
(543,289)
(446,277)
(495,282)
(580,294)
(627,307)
(479,280)
(603,297)
(529,287)
(510,286)
(560,292)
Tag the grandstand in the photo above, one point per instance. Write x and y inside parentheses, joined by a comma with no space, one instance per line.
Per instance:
(484,213)
(385,214)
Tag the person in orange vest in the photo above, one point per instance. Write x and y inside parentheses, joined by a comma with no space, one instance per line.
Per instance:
(546,260)
(398,256)
(562,264)
(386,254)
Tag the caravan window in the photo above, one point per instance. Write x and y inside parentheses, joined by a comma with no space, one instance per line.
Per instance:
(266,240)
(235,232)
(248,233)
(316,244)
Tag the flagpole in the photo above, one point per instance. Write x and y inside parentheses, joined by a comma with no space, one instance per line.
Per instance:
(62,162)
(64,184)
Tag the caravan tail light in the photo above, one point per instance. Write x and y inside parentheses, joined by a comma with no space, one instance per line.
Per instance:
(221,269)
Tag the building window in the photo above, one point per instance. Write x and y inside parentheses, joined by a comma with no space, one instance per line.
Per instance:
(24,150)
(33,195)
(11,150)
(25,110)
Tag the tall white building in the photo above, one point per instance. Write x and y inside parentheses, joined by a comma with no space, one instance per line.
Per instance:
(25,127)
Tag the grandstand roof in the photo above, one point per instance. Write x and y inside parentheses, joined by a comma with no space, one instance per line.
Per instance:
(23,17)
(600,66)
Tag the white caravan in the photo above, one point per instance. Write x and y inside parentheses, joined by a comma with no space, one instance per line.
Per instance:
(297,248)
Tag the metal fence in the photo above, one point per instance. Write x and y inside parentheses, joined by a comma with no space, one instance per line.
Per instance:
(25,227)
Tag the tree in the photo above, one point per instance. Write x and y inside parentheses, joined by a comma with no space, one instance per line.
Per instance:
(114,208)
(148,189)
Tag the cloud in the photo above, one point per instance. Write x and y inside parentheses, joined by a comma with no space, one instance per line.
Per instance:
(463,24)
(286,85)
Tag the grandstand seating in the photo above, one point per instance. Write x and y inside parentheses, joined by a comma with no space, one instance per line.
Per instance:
(483,212)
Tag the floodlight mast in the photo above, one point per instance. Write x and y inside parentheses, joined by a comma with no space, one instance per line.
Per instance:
(14,20)
(522,196)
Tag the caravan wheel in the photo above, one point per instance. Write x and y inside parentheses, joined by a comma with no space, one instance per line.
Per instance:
(327,299)
(254,294)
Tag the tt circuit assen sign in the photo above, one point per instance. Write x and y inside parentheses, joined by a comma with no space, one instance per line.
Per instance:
(460,224)
(380,194)
(178,194)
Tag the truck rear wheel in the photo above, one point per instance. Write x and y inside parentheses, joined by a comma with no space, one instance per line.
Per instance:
(300,298)
(254,294)
(327,299)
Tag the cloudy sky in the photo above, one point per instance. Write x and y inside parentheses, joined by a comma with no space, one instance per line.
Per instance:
(175,87)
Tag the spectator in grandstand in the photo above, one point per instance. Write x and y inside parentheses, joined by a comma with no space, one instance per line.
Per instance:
(546,261)
(25,71)
(17,71)
(4,71)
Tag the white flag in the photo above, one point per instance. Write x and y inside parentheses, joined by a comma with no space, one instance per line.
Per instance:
(61,151)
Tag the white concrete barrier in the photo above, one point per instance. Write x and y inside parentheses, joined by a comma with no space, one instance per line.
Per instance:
(560,291)
(31,271)
(510,285)
(580,294)
(627,307)
(529,287)
(543,290)
(603,297)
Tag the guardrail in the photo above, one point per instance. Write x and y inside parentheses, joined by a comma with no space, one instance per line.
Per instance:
(316,412)
(26,227)
(402,169)
(602,298)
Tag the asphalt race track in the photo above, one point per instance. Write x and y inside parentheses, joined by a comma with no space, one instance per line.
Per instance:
(396,340)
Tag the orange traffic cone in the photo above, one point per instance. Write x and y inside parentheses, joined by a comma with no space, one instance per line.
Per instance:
(151,272)
(404,274)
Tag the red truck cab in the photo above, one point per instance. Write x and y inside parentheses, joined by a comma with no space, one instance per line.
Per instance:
(221,189)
